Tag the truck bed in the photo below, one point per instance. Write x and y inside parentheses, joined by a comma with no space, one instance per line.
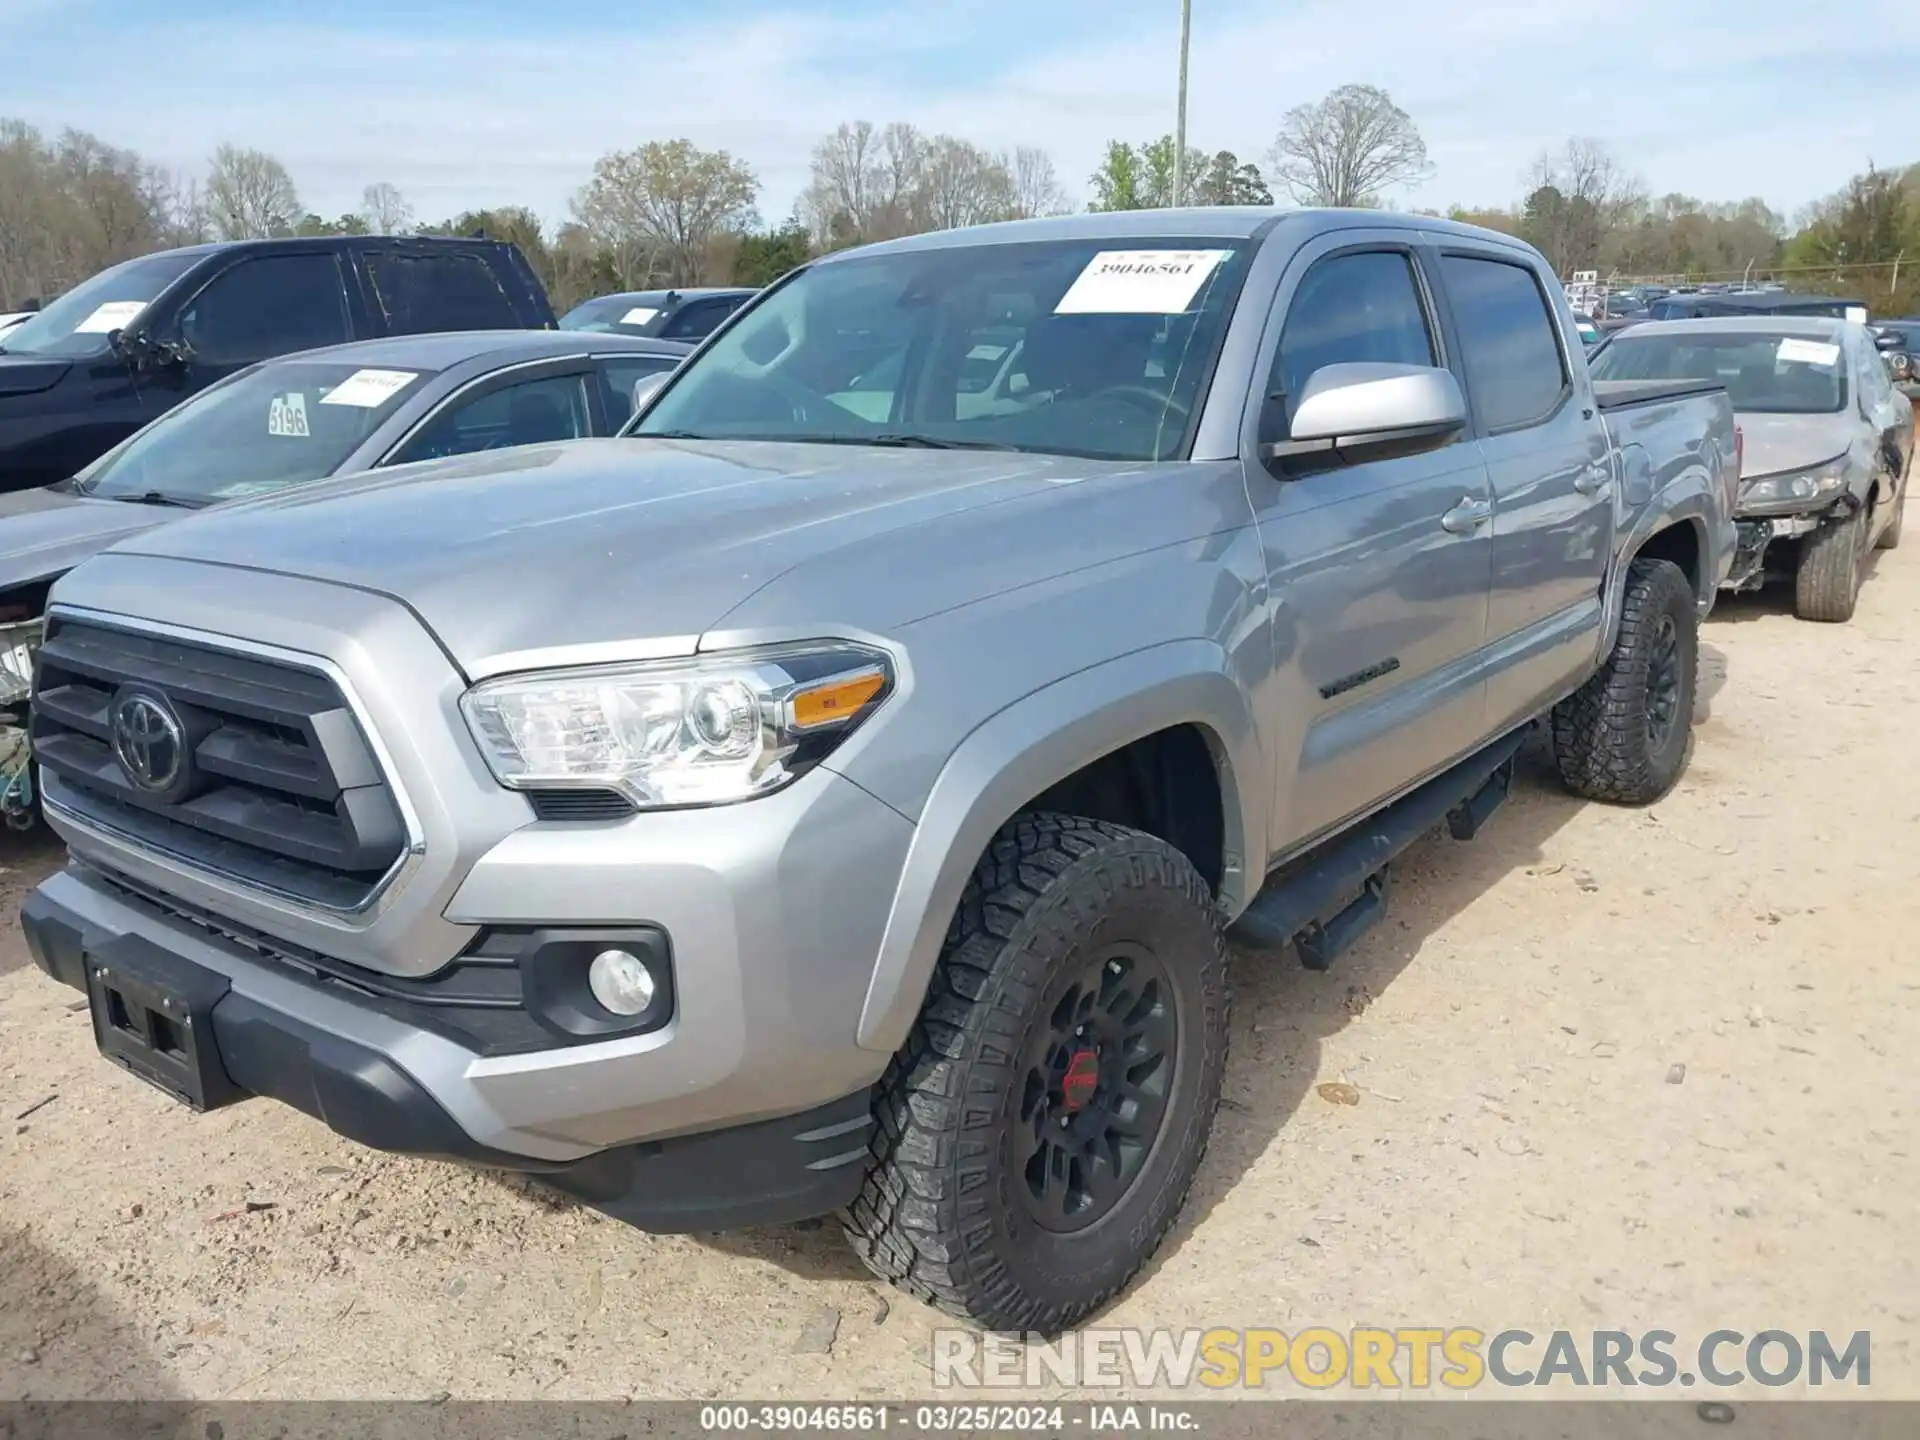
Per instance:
(1619,394)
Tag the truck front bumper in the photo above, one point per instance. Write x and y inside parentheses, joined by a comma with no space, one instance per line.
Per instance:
(260,1027)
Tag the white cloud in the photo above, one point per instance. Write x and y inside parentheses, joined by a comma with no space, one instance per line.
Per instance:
(472,116)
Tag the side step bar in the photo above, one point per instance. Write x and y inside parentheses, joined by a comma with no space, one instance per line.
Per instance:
(1309,905)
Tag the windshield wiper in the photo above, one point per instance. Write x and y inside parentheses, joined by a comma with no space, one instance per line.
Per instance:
(669,435)
(158,497)
(930,442)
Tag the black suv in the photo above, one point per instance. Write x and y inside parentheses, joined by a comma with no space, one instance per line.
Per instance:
(135,340)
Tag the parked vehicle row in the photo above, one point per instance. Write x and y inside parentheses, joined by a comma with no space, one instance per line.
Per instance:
(122,348)
(833,795)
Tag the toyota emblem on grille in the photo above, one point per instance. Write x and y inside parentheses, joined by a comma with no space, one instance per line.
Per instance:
(148,741)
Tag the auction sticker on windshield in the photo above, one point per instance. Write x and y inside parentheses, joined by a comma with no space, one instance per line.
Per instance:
(288,416)
(639,315)
(368,389)
(114,315)
(1140,282)
(1808,352)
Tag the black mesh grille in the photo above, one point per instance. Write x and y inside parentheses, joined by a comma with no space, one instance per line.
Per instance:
(564,805)
(277,787)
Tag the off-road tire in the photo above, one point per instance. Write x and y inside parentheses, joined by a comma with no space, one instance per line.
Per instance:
(1826,582)
(1601,739)
(1890,537)
(939,1215)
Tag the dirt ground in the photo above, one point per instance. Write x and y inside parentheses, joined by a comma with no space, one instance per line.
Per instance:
(1521,1154)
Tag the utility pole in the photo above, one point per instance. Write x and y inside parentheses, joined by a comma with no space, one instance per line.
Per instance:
(1180,120)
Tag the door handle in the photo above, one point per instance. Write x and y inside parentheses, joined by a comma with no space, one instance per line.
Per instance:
(1466,517)
(1593,479)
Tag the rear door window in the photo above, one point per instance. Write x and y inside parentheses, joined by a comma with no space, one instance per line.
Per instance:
(1511,346)
(419,292)
(534,412)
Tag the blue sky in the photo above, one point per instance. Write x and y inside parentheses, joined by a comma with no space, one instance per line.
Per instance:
(486,102)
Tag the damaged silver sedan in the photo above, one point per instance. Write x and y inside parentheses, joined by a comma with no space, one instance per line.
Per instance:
(1826,443)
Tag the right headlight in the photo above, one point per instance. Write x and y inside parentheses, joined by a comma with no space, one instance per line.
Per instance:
(1793,489)
(708,730)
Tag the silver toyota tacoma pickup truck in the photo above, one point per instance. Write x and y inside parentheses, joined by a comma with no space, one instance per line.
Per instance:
(838,795)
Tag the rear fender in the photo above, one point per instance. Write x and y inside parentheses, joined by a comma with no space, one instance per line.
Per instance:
(1026,748)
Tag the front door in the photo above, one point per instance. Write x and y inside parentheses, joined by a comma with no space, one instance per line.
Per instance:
(261,307)
(1378,571)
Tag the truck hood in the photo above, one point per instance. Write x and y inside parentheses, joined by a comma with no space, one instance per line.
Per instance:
(30,374)
(599,549)
(44,533)
(1773,443)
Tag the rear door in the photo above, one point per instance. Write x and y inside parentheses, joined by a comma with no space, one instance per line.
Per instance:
(1550,467)
(1379,607)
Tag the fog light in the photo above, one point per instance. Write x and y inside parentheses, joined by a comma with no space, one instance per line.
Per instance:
(621,982)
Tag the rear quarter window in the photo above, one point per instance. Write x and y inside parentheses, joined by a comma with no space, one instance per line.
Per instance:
(455,290)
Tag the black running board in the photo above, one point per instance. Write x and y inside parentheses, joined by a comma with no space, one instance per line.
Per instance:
(1312,904)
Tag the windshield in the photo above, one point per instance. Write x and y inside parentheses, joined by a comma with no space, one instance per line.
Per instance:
(286,423)
(1059,347)
(614,315)
(79,322)
(1763,374)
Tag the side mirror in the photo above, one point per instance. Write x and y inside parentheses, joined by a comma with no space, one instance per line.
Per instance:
(1888,340)
(141,351)
(645,387)
(1362,405)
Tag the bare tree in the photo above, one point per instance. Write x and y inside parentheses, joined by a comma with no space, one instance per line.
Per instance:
(179,209)
(961,184)
(838,199)
(1584,169)
(903,158)
(1036,186)
(1347,148)
(669,202)
(385,209)
(250,195)
(1577,197)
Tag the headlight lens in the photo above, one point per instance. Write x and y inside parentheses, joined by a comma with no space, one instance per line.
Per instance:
(703,731)
(1795,489)
(19,649)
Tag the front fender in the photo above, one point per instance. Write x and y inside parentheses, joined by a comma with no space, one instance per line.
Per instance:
(1033,744)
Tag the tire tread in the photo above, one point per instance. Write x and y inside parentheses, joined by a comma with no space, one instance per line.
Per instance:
(923,1220)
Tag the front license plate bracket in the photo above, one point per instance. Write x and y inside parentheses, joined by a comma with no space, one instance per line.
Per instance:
(153,1017)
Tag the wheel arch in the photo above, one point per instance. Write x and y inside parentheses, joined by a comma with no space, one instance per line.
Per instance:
(1679,533)
(1030,748)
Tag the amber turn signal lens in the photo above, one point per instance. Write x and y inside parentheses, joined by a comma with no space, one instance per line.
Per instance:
(837,699)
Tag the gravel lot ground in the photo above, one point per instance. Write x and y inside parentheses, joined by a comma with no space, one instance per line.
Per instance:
(1520,1154)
